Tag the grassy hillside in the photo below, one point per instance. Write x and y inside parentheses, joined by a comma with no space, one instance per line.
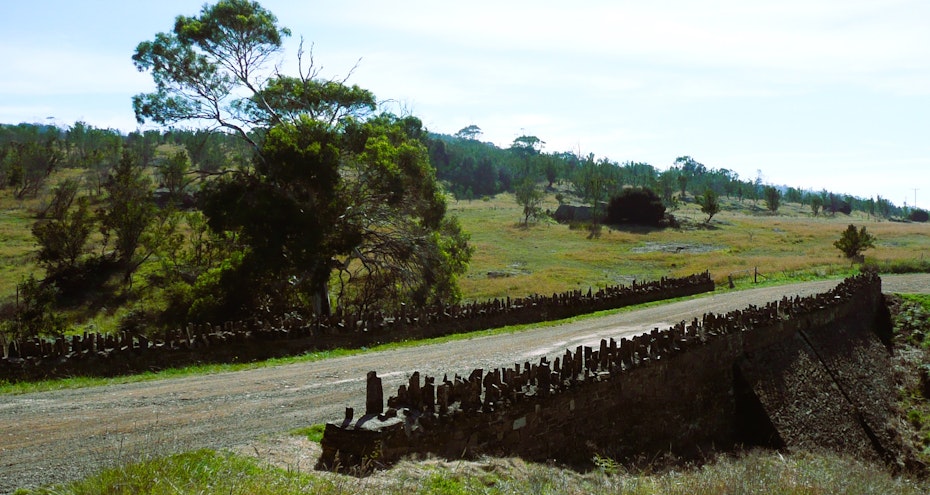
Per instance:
(546,257)
(513,259)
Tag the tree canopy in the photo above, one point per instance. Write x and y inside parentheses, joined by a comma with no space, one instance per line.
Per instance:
(334,192)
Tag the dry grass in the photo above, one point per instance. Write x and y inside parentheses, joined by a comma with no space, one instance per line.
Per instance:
(544,257)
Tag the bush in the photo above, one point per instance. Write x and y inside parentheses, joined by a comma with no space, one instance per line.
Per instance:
(636,206)
(853,242)
(33,313)
(919,216)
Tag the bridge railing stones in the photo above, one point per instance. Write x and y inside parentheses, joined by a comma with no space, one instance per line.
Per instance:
(259,339)
(486,398)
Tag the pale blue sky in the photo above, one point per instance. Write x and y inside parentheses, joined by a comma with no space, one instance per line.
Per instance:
(814,93)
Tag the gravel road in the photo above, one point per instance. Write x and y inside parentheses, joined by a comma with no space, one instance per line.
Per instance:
(53,437)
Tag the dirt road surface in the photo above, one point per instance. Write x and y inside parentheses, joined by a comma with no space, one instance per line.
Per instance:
(53,437)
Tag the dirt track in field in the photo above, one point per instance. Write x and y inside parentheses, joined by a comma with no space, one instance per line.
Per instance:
(54,437)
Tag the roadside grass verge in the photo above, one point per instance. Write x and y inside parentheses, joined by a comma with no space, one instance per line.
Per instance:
(758,471)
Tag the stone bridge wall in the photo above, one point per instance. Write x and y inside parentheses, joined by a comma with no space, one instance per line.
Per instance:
(739,378)
(110,355)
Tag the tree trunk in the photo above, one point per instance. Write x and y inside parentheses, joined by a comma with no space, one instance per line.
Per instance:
(320,300)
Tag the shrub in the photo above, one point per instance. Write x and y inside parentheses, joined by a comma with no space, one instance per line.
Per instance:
(33,312)
(636,206)
(853,242)
(919,216)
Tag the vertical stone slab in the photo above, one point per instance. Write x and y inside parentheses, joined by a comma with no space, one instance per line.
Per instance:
(443,399)
(414,395)
(429,395)
(374,399)
(543,379)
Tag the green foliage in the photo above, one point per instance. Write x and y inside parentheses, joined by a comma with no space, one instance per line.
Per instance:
(529,197)
(286,213)
(900,266)
(853,242)
(794,195)
(912,320)
(471,168)
(210,151)
(200,68)
(470,132)
(291,98)
(816,204)
(30,154)
(331,187)
(33,312)
(666,183)
(710,205)
(527,145)
(772,198)
(595,182)
(407,251)
(172,174)
(63,231)
(128,211)
(97,151)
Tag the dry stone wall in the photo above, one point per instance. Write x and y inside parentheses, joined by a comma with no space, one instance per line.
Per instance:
(109,355)
(796,373)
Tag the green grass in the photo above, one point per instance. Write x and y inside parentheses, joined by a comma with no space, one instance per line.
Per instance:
(756,472)
(920,299)
(197,472)
(313,433)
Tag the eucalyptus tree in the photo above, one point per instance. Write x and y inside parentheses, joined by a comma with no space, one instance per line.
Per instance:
(334,190)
